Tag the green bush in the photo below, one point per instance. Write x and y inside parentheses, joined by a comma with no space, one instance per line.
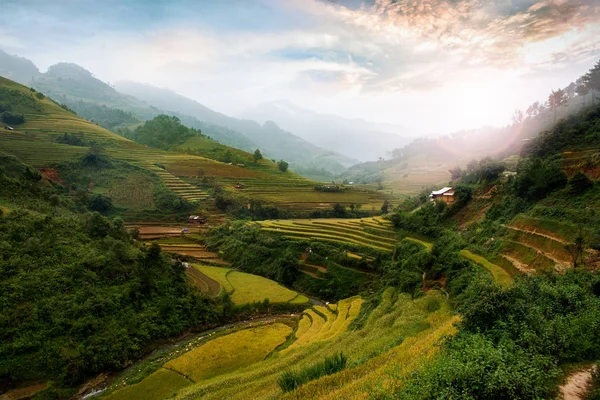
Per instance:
(579,183)
(12,118)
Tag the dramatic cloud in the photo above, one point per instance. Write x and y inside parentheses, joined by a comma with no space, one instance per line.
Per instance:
(474,61)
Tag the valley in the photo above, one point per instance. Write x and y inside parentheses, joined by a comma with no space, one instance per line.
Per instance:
(152,248)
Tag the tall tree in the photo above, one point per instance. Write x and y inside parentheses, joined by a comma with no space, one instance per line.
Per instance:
(556,100)
(592,80)
(518,117)
(257,156)
(582,90)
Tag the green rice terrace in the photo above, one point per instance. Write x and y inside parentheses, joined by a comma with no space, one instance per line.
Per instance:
(401,333)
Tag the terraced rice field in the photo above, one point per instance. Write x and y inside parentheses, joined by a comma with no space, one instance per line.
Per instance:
(207,285)
(247,288)
(321,323)
(218,356)
(534,244)
(158,386)
(228,353)
(178,186)
(399,335)
(397,338)
(375,233)
(498,273)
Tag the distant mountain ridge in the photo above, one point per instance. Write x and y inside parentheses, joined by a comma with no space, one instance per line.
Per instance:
(269,137)
(356,138)
(77,88)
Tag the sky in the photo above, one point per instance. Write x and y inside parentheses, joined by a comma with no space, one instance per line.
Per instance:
(433,66)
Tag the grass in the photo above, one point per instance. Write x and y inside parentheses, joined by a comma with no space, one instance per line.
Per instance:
(527,255)
(158,386)
(247,288)
(228,353)
(498,273)
(291,380)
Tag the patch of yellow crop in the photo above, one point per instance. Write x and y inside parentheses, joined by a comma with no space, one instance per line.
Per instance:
(311,333)
(303,326)
(158,386)
(219,274)
(498,273)
(384,373)
(250,288)
(427,245)
(230,352)
(299,299)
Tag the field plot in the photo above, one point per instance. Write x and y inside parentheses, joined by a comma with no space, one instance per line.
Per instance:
(207,285)
(538,244)
(228,353)
(158,386)
(247,288)
(375,233)
(399,335)
(498,273)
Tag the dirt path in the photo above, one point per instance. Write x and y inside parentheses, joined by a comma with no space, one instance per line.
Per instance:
(577,383)
(560,266)
(519,265)
(561,241)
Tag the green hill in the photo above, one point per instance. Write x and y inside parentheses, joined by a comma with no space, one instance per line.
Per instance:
(52,135)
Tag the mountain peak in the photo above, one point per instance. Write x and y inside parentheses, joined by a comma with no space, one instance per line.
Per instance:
(69,69)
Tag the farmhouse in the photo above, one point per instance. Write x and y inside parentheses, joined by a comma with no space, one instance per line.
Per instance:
(196,219)
(445,194)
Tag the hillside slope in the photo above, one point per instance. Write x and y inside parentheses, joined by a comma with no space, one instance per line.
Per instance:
(52,136)
(269,137)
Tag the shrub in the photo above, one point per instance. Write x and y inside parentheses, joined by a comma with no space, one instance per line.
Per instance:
(283,166)
(579,183)
(12,118)
(291,380)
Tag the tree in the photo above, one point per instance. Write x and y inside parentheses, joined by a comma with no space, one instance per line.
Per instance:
(518,117)
(582,90)
(283,166)
(100,203)
(456,173)
(339,210)
(556,100)
(385,207)
(592,79)
(257,156)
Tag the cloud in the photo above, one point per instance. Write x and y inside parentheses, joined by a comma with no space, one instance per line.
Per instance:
(387,60)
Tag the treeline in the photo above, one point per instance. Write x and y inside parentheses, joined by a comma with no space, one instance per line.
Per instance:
(162,132)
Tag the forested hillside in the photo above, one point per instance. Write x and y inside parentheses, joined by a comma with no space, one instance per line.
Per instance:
(79,295)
